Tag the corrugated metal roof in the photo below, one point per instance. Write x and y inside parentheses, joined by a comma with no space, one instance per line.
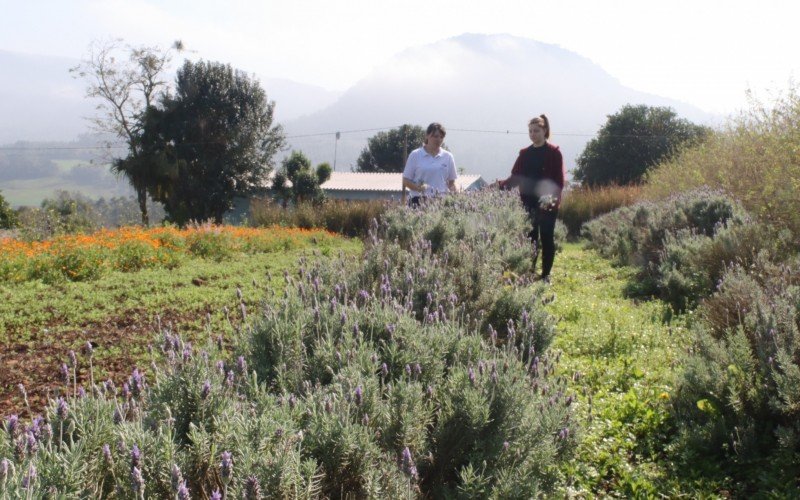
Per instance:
(360,181)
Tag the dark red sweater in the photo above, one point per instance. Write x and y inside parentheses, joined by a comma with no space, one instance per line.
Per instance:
(534,183)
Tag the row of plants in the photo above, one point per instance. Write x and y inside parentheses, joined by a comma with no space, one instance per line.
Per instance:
(419,369)
(87,257)
(582,204)
(349,218)
(735,401)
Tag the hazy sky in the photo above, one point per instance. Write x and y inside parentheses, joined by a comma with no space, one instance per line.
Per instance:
(703,52)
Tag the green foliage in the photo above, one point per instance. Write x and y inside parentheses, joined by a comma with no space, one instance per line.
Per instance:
(634,140)
(305,183)
(8,218)
(309,410)
(385,150)
(738,394)
(216,133)
(581,205)
(753,158)
(675,243)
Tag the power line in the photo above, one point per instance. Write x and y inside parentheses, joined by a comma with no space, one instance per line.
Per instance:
(323,134)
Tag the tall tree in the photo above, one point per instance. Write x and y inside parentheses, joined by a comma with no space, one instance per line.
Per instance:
(632,141)
(126,81)
(385,151)
(217,137)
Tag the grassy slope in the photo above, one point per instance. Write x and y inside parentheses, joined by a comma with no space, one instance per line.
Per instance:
(626,356)
(40,323)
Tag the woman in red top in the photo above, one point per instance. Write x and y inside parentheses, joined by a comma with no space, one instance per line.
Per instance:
(539,174)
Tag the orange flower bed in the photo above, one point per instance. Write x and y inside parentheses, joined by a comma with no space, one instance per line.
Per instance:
(84,257)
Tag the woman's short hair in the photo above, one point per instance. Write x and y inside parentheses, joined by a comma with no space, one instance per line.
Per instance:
(435,127)
(543,122)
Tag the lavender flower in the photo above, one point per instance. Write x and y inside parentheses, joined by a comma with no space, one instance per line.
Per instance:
(365,420)
(30,477)
(137,481)
(226,467)
(241,365)
(73,360)
(5,465)
(31,443)
(117,416)
(409,468)
(107,454)
(206,390)
(429,391)
(229,378)
(506,445)
(471,375)
(252,489)
(11,425)
(359,396)
(137,383)
(384,370)
(216,495)
(417,369)
(81,392)
(64,370)
(136,457)
(183,491)
(62,409)
(176,478)
(89,348)
(221,366)
(408,369)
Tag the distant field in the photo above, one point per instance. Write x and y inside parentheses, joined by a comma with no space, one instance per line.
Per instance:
(95,183)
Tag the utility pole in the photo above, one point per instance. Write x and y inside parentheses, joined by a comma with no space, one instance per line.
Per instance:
(405,159)
(335,147)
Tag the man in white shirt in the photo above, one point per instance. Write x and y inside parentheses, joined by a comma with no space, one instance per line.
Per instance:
(430,170)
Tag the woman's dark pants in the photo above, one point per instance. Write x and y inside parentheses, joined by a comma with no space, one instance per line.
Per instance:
(544,227)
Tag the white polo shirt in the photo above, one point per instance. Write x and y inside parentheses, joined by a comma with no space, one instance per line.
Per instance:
(434,171)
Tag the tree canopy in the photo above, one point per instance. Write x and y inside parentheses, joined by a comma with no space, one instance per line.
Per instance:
(385,150)
(305,182)
(632,141)
(215,138)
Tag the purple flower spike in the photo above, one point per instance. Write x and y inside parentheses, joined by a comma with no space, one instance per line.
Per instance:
(359,396)
(73,360)
(136,457)
(107,454)
(89,348)
(241,365)
(12,423)
(409,468)
(30,477)
(64,370)
(471,375)
(62,409)
(183,491)
(384,370)
(176,478)
(206,390)
(216,495)
(137,481)
(252,489)
(226,466)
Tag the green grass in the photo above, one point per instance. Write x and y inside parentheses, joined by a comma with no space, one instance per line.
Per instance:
(40,323)
(625,355)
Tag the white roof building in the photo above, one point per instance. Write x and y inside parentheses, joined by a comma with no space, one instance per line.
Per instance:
(386,186)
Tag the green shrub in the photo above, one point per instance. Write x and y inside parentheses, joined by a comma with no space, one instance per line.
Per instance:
(670,241)
(8,218)
(738,393)
(753,158)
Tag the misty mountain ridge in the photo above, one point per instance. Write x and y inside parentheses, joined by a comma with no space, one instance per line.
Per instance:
(484,89)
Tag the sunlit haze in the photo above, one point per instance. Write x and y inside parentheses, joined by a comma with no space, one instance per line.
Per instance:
(706,53)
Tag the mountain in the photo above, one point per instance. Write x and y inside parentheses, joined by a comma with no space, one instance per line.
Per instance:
(483,89)
(40,101)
